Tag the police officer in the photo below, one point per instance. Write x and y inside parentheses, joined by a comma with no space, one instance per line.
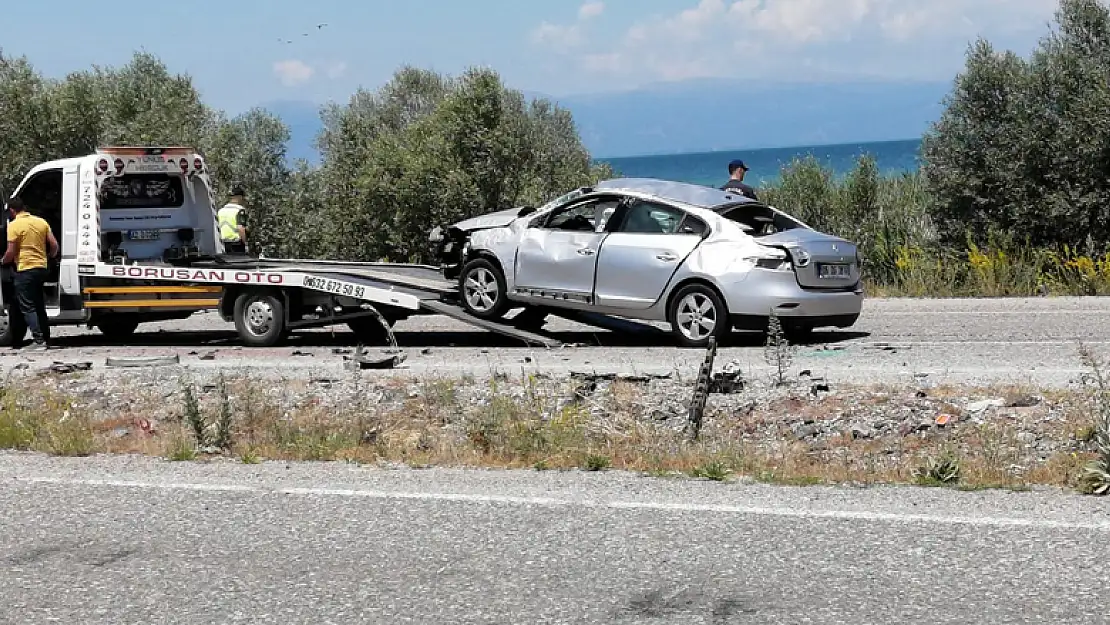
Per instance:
(232,219)
(736,171)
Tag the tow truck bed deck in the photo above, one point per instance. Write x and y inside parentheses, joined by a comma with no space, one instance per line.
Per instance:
(436,293)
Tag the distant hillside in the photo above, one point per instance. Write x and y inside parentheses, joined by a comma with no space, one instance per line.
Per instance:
(708,115)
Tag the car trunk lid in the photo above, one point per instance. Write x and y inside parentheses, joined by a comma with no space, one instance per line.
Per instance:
(821,261)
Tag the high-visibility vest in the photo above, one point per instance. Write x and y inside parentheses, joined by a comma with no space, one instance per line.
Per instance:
(228,219)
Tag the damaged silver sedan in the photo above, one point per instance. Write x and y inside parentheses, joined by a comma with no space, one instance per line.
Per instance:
(703,260)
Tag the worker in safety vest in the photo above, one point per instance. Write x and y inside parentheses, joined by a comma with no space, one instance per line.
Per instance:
(233,223)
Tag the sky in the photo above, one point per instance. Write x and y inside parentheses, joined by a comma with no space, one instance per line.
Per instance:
(246,52)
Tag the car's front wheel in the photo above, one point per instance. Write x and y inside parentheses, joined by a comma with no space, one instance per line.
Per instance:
(483,291)
(697,315)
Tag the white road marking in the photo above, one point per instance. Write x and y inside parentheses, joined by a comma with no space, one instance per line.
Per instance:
(799,513)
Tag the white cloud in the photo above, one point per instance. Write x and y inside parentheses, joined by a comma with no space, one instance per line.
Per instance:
(565,38)
(590,10)
(337,70)
(293,72)
(800,39)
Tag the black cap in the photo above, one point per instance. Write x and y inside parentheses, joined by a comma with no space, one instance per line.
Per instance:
(237,190)
(736,164)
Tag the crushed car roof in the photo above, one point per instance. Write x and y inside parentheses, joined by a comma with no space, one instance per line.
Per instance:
(687,193)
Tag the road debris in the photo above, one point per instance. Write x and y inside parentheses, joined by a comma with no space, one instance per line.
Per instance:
(701,391)
(730,379)
(142,361)
(70,367)
(391,359)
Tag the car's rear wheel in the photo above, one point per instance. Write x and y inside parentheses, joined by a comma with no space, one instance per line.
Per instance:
(482,288)
(698,314)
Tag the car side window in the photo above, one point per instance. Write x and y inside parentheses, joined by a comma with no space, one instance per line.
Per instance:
(579,217)
(651,218)
(693,225)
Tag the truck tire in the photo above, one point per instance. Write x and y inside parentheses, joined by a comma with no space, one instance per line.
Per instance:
(117,328)
(482,289)
(12,329)
(260,318)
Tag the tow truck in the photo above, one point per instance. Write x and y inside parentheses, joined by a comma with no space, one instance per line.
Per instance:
(140,243)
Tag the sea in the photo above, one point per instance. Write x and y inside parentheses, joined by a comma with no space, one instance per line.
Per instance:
(765,164)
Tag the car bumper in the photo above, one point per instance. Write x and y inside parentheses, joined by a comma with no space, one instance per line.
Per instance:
(751,301)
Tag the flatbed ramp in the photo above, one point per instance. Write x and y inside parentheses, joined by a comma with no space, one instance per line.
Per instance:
(436,294)
(457,312)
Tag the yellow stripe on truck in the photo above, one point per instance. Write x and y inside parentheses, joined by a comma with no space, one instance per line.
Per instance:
(125,290)
(154,303)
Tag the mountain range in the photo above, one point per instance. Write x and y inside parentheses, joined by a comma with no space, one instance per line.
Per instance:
(709,115)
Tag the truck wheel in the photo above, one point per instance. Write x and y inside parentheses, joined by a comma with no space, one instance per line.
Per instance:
(117,328)
(260,319)
(482,289)
(697,314)
(12,329)
(369,330)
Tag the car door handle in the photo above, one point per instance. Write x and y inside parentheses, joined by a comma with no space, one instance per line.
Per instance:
(666,257)
(585,251)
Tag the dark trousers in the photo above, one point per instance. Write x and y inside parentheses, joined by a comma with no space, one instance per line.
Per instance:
(235,247)
(32,301)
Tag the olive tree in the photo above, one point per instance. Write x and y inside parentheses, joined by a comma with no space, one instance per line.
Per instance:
(426,150)
(1023,145)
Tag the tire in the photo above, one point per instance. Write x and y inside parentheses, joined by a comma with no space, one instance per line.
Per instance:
(260,318)
(117,328)
(481,277)
(703,304)
(13,329)
(369,330)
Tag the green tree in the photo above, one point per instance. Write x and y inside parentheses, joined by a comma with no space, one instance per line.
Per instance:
(250,150)
(26,134)
(1023,146)
(427,150)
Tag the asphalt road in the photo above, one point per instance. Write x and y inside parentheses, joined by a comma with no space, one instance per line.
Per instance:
(976,341)
(131,540)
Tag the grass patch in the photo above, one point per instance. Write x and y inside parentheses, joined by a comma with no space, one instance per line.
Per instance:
(547,424)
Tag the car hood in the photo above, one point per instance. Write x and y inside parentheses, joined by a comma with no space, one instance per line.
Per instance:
(489,220)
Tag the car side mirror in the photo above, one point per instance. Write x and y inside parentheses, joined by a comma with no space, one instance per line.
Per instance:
(526,210)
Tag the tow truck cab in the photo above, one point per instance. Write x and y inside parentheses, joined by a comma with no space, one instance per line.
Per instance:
(117,206)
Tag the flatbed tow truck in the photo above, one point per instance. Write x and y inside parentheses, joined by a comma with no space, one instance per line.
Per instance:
(140,243)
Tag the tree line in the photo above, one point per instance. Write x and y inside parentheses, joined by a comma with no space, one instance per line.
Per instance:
(423,149)
(1022,149)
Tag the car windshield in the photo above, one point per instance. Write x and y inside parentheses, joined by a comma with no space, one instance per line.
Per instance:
(561,199)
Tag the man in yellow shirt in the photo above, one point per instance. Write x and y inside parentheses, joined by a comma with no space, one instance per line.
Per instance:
(30,246)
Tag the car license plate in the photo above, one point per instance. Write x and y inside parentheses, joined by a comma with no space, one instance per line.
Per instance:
(833,271)
(144,235)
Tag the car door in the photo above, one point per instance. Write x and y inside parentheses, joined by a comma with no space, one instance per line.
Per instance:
(557,254)
(642,254)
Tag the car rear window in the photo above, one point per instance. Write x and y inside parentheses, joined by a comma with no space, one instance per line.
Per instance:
(142,191)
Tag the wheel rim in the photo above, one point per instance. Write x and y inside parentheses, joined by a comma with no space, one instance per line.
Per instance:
(480,289)
(696,316)
(259,317)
